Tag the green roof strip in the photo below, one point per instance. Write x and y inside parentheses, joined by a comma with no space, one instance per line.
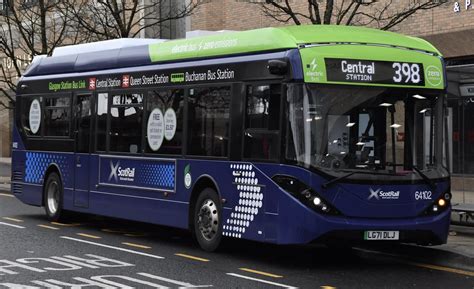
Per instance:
(279,38)
(266,39)
(353,34)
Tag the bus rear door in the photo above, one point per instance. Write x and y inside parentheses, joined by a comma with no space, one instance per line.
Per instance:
(83,115)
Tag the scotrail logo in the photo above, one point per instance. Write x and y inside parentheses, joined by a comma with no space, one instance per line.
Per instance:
(123,174)
(384,195)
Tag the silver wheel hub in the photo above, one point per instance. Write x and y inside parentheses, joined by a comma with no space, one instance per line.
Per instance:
(208,219)
(52,197)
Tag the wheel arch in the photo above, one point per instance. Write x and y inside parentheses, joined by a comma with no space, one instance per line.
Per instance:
(204,181)
(53,167)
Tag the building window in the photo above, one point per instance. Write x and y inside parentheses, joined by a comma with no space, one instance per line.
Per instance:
(3,6)
(126,115)
(164,126)
(57,116)
(28,3)
(208,126)
(262,122)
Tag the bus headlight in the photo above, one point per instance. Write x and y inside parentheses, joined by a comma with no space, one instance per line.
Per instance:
(439,205)
(305,194)
(316,201)
(441,202)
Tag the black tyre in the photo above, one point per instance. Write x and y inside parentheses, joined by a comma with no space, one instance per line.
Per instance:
(207,220)
(53,197)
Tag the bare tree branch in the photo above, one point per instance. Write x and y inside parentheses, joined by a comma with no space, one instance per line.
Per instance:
(384,15)
(29,30)
(109,19)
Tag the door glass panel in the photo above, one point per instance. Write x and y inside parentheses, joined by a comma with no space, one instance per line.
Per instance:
(83,122)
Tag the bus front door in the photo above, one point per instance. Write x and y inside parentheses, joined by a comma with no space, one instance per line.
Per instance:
(83,114)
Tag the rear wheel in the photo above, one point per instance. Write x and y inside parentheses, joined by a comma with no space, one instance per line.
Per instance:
(53,197)
(207,220)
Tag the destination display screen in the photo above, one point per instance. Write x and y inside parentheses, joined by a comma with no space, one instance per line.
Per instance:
(369,71)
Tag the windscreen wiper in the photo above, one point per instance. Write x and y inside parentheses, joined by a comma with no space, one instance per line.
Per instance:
(428,181)
(336,180)
(333,181)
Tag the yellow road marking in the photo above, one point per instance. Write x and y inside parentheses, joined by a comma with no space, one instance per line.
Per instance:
(13,219)
(136,245)
(192,257)
(88,236)
(65,225)
(261,273)
(328,287)
(445,269)
(135,235)
(48,227)
(112,231)
(7,195)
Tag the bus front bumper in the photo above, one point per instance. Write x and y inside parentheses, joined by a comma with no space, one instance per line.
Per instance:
(313,227)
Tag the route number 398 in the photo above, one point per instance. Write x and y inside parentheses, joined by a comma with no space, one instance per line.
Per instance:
(406,72)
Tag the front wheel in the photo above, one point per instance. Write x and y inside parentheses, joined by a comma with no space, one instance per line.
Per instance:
(207,220)
(53,197)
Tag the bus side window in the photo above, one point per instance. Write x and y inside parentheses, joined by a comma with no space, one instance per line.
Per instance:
(208,121)
(169,104)
(57,116)
(31,115)
(262,122)
(126,116)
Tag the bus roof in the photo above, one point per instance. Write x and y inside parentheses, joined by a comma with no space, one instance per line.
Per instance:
(225,44)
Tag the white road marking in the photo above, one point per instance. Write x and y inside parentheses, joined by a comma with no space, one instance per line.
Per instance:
(11,225)
(182,284)
(113,247)
(261,281)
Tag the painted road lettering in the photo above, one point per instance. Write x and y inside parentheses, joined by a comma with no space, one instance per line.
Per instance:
(42,265)
(106,281)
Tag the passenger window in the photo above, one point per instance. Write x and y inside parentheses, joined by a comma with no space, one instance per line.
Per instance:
(262,122)
(126,115)
(208,122)
(263,107)
(164,123)
(57,116)
(31,116)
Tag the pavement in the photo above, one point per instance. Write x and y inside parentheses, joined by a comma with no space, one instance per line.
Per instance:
(458,253)
(5,173)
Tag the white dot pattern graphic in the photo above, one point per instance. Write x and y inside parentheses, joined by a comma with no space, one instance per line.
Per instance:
(250,201)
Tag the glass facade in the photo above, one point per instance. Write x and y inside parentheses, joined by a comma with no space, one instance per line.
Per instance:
(460,128)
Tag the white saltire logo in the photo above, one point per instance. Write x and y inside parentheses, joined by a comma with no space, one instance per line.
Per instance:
(374,194)
(114,170)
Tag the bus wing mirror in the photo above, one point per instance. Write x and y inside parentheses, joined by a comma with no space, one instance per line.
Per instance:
(278,67)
